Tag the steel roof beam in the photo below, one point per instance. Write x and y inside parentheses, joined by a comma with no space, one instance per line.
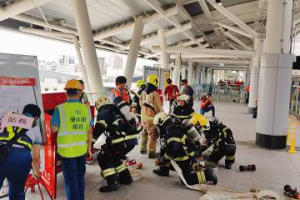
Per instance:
(168,33)
(202,51)
(195,26)
(233,18)
(157,7)
(237,40)
(127,26)
(224,61)
(20,7)
(207,13)
(234,29)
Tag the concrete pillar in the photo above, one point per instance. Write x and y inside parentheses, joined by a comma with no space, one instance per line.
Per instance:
(202,75)
(212,73)
(275,77)
(134,50)
(254,77)
(164,57)
(84,29)
(83,68)
(197,74)
(176,70)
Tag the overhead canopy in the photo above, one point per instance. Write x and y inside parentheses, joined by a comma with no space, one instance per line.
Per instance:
(233,24)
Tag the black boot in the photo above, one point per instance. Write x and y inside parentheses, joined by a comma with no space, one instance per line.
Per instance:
(112,184)
(125,177)
(228,166)
(161,171)
(210,177)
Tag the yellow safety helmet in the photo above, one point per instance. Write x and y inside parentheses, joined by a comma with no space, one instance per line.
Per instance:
(152,78)
(183,97)
(101,101)
(73,84)
(140,83)
(200,122)
(160,118)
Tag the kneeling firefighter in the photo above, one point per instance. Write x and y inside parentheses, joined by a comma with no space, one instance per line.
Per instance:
(179,148)
(119,127)
(218,135)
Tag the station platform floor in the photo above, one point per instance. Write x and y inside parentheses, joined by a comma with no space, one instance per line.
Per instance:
(274,168)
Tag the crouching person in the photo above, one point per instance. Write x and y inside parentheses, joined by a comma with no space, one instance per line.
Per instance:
(180,149)
(120,140)
(218,135)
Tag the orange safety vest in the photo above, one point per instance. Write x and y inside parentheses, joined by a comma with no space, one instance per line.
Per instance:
(125,96)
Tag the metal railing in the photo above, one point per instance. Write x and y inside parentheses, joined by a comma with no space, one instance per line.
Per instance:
(294,100)
(228,93)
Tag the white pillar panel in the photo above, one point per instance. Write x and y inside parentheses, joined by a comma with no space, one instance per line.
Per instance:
(134,50)
(83,25)
(279,24)
(275,77)
(202,75)
(164,57)
(254,77)
(274,94)
(176,70)
(254,82)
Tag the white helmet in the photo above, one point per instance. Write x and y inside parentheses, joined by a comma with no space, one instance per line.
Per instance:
(183,97)
(160,118)
(101,101)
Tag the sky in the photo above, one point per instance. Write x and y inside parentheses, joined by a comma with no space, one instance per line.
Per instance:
(45,49)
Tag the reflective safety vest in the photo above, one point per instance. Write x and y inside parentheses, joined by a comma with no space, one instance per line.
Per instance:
(124,95)
(9,133)
(73,130)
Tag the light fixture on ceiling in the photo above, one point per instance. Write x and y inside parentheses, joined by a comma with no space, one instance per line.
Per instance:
(219,2)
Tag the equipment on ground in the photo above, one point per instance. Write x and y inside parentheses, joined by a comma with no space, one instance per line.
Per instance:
(289,191)
(251,168)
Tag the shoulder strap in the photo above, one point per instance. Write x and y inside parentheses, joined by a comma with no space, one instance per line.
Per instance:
(17,136)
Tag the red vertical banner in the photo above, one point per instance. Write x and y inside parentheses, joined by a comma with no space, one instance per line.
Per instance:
(49,175)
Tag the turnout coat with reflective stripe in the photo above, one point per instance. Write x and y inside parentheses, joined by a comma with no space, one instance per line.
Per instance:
(151,105)
(73,130)
(178,146)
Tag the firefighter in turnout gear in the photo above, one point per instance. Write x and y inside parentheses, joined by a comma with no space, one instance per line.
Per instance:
(179,149)
(151,105)
(218,135)
(183,111)
(135,106)
(121,137)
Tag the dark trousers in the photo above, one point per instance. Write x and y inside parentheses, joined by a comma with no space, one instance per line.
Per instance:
(218,153)
(74,171)
(190,175)
(111,158)
(247,97)
(16,169)
(254,116)
(209,108)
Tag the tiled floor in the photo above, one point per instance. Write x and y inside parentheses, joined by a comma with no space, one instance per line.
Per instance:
(274,168)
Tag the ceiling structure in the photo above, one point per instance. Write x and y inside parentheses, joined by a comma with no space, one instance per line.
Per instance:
(192,25)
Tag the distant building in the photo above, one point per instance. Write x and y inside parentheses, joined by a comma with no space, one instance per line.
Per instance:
(103,66)
(66,60)
(54,81)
